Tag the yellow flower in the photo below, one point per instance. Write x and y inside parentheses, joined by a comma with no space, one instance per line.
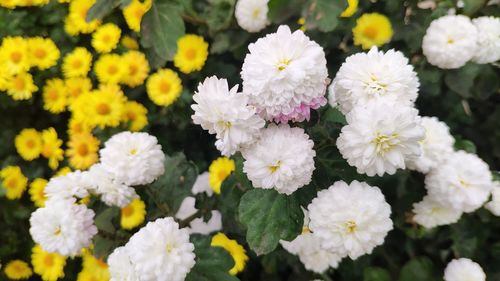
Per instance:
(130,43)
(82,151)
(133,13)
(352,7)
(133,214)
(136,114)
(109,68)
(70,27)
(9,4)
(13,181)
(76,86)
(372,30)
(77,63)
(50,266)
(63,171)
(43,52)
(136,68)
(29,144)
(4,77)
(235,250)
(106,38)
(78,10)
(218,171)
(52,147)
(14,55)
(192,52)
(55,96)
(77,126)
(37,193)
(21,86)
(29,3)
(93,269)
(17,270)
(164,87)
(302,22)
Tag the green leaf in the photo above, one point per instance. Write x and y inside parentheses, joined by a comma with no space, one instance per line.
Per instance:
(269,217)
(324,14)
(334,115)
(463,144)
(100,9)
(376,274)
(103,246)
(219,14)
(104,220)
(472,6)
(417,269)
(461,80)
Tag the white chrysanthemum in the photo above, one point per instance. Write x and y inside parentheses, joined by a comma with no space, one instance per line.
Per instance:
(437,143)
(74,184)
(225,113)
(380,137)
(285,75)
(63,226)
(198,225)
(251,15)
(283,159)
(450,41)
(488,39)
(332,100)
(120,267)
(367,77)
(494,204)
(133,158)
(161,251)
(112,191)
(464,270)
(463,181)
(430,213)
(202,185)
(350,219)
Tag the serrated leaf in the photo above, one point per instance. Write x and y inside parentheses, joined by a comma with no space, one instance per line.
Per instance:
(100,9)
(324,14)
(219,14)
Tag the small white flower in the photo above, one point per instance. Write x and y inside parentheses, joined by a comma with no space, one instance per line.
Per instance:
(350,219)
(283,159)
(251,15)
(494,204)
(285,76)
(463,181)
(202,185)
(380,137)
(450,41)
(488,39)
(437,143)
(112,191)
(430,213)
(464,270)
(332,100)
(225,113)
(72,185)
(161,251)
(198,225)
(373,76)
(120,267)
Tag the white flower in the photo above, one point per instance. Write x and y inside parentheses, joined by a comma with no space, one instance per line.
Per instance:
(202,185)
(285,75)
(161,251)
(120,267)
(437,143)
(63,226)
(430,213)
(332,100)
(463,181)
(367,77)
(380,137)
(133,158)
(198,225)
(74,184)
(283,158)
(488,39)
(225,113)
(251,15)
(494,204)
(350,219)
(464,270)
(112,191)
(450,41)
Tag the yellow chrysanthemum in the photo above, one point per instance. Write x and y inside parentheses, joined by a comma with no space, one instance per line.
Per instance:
(21,86)
(76,86)
(55,97)
(235,250)
(372,30)
(352,7)
(5,77)
(43,52)
(106,38)
(77,63)
(78,10)
(76,126)
(63,171)
(136,68)
(50,266)
(36,191)
(17,270)
(164,87)
(218,171)
(70,27)
(93,269)
(29,144)
(136,114)
(13,181)
(9,4)
(52,147)
(133,214)
(109,68)
(133,13)
(30,3)
(14,54)
(82,151)
(129,43)
(192,52)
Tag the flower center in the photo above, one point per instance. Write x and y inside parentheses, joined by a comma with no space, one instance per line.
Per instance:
(11,183)
(112,69)
(30,143)
(48,260)
(57,232)
(255,13)
(40,53)
(133,151)
(16,57)
(275,167)
(77,63)
(282,64)
(351,226)
(52,95)
(225,124)
(374,87)
(127,211)
(83,149)
(106,38)
(305,230)
(131,115)
(190,54)
(164,87)
(19,84)
(384,143)
(133,69)
(463,183)
(170,248)
(370,32)
(450,41)
(103,109)
(101,263)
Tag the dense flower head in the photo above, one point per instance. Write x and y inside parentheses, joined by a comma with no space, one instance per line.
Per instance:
(120,266)
(13,181)
(106,38)
(192,52)
(136,68)
(236,251)
(17,270)
(283,159)
(82,150)
(285,75)
(55,95)
(431,213)
(463,270)
(75,184)
(43,52)
(37,192)
(109,68)
(112,190)
(350,219)
(52,147)
(14,54)
(251,15)
(29,144)
(50,266)
(136,115)
(134,12)
(372,29)
(164,87)
(133,214)
(93,268)
(488,39)
(21,86)
(77,63)
(78,10)
(450,41)
(76,86)
(218,171)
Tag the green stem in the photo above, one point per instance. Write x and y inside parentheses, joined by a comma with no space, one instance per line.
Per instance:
(185,222)
(163,207)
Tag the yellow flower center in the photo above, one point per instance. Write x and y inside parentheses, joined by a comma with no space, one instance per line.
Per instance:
(48,260)
(133,151)
(351,226)
(139,12)
(83,149)
(190,54)
(127,211)
(30,143)
(256,13)
(52,95)
(274,168)
(47,151)
(169,247)
(463,183)
(112,69)
(131,115)
(282,64)
(101,263)
(450,41)
(164,87)
(222,175)
(370,32)
(384,143)
(19,84)
(16,57)
(40,53)
(106,38)
(11,183)
(133,69)
(57,232)
(77,63)
(103,109)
